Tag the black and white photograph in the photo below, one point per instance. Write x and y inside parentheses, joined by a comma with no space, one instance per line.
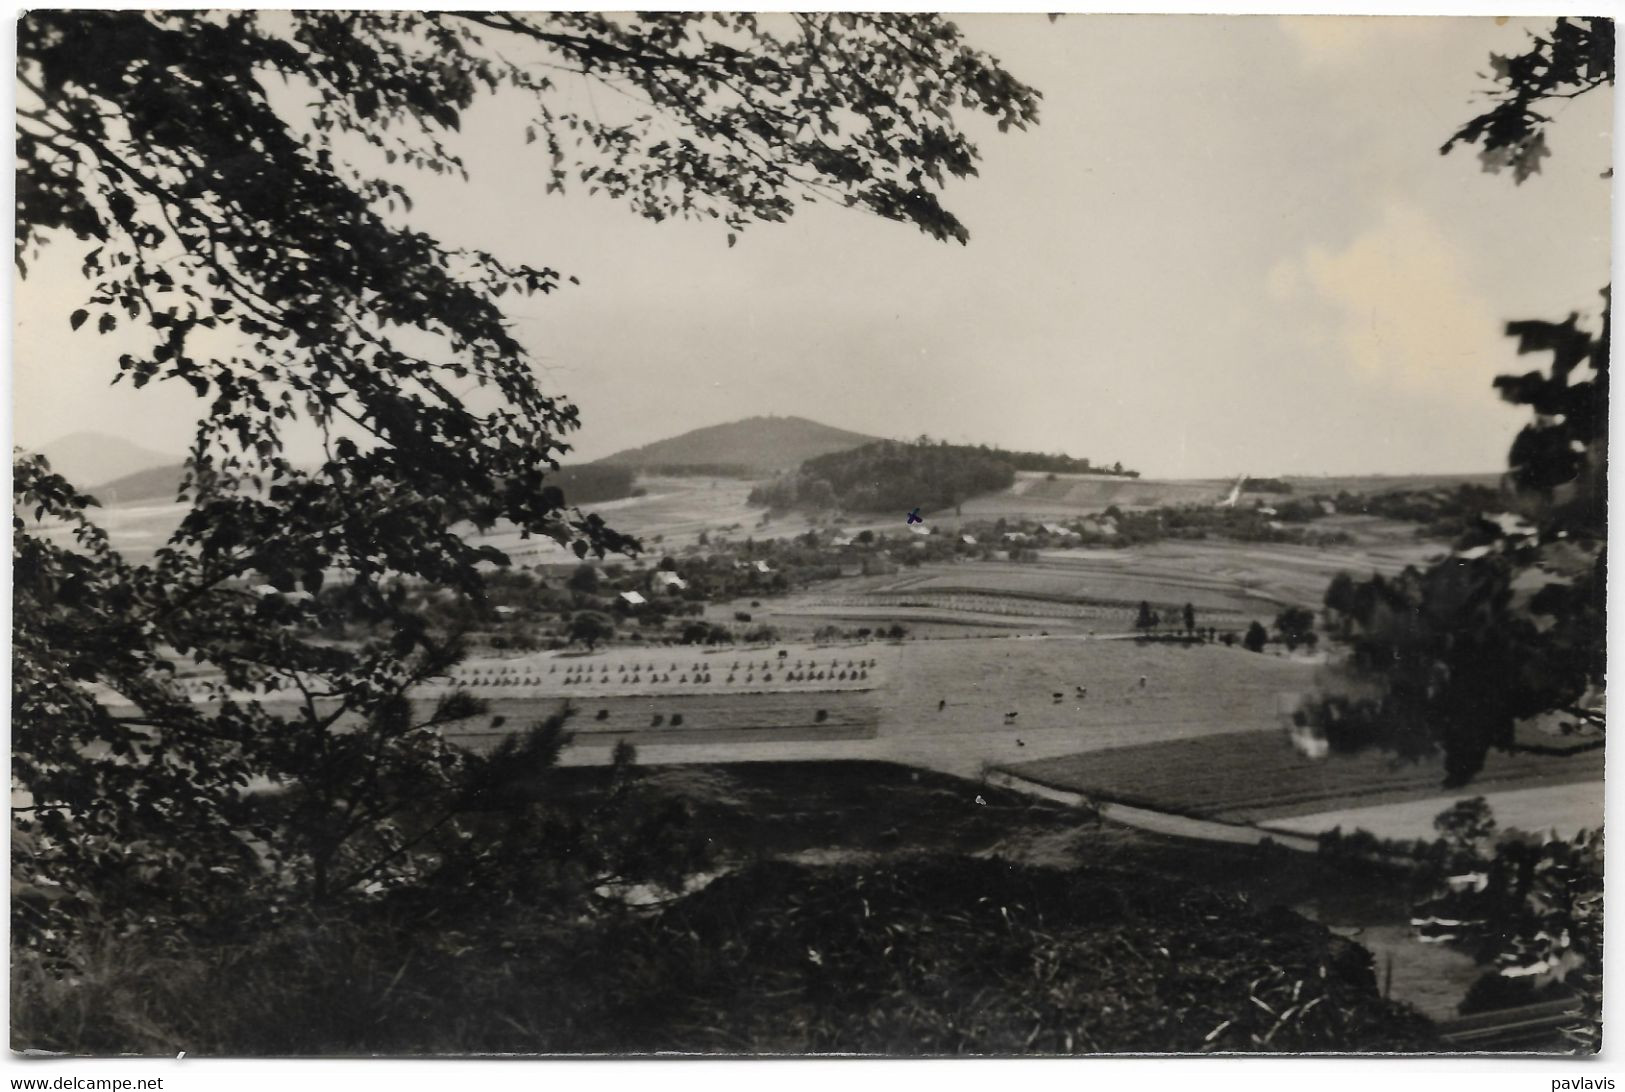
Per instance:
(586,534)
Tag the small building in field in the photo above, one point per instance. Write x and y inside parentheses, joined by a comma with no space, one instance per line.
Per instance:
(664,580)
(632,599)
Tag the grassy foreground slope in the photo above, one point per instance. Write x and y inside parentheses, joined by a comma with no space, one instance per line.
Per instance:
(852,907)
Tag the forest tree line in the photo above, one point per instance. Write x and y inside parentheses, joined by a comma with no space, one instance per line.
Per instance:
(921,474)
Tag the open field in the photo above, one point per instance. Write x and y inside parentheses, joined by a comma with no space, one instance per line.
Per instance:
(1256,777)
(1189,692)
(893,713)
(731,669)
(687,720)
(1082,590)
(675,509)
(137,530)
(1565,810)
(1035,496)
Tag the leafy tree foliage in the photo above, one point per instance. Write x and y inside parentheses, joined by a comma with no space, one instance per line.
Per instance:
(1296,626)
(591,483)
(1527,908)
(1146,618)
(230,236)
(589,627)
(1255,638)
(925,473)
(1514,624)
(888,476)
(1577,56)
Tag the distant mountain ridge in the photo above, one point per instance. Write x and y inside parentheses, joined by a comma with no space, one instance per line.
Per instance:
(755,445)
(90,458)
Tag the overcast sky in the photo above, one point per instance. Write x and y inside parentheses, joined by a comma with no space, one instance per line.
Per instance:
(1230,245)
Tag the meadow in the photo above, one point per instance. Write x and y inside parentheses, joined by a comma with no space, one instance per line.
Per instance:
(1252,777)
(1082,589)
(626,670)
(943,704)
(685,720)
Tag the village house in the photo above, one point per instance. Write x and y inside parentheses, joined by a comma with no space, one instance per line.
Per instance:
(664,580)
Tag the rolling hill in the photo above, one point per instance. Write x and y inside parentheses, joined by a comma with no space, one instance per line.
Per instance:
(155,485)
(754,447)
(85,458)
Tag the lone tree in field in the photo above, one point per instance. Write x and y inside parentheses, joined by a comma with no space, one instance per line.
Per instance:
(1296,625)
(1190,618)
(1256,638)
(1514,624)
(1147,618)
(589,627)
(230,240)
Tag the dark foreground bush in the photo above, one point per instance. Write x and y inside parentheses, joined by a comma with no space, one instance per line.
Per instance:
(946,955)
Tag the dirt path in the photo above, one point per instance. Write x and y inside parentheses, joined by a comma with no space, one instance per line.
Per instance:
(1158,822)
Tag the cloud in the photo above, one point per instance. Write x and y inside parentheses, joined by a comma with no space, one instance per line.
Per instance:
(1400,303)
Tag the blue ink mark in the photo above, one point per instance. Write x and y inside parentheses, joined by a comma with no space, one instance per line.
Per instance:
(914,516)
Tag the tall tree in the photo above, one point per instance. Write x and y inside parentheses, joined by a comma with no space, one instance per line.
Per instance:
(1512,625)
(239,248)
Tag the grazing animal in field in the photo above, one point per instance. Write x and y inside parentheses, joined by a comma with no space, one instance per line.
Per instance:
(1083,691)
(1020,744)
